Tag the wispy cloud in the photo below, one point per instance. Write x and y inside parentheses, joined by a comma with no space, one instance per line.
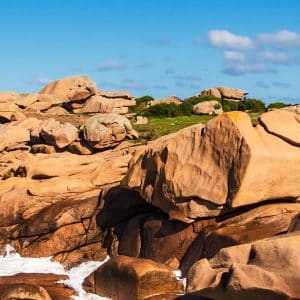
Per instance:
(262,84)
(283,39)
(37,82)
(227,40)
(145,65)
(110,65)
(169,71)
(160,41)
(278,58)
(234,56)
(244,68)
(281,84)
(188,77)
(265,85)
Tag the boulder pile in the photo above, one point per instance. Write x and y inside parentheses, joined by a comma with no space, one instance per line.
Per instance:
(225,93)
(217,204)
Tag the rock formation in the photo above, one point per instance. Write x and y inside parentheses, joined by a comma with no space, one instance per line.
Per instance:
(206,171)
(168,100)
(208,108)
(219,202)
(266,269)
(225,92)
(124,277)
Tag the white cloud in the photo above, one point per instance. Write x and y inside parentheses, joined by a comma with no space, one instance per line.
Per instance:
(234,56)
(227,40)
(110,65)
(280,39)
(274,57)
(246,67)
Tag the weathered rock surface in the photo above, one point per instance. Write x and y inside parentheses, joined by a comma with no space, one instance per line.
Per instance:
(168,100)
(204,171)
(208,108)
(284,124)
(56,134)
(266,269)
(24,291)
(49,202)
(71,88)
(107,130)
(124,277)
(141,120)
(151,235)
(34,287)
(225,92)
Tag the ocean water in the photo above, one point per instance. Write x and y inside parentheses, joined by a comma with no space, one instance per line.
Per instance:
(12,263)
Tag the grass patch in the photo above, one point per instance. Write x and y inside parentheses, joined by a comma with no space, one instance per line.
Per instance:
(158,127)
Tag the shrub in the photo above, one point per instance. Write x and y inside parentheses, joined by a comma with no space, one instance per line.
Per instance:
(217,106)
(277,105)
(228,105)
(141,103)
(161,110)
(185,109)
(253,105)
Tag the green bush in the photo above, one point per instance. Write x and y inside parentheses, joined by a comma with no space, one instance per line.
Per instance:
(228,105)
(185,109)
(141,103)
(161,110)
(253,105)
(277,105)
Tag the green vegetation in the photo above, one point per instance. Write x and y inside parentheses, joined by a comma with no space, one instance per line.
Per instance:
(277,105)
(252,105)
(168,110)
(141,103)
(228,105)
(157,127)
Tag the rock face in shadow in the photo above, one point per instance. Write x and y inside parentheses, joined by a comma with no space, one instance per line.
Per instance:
(151,235)
(266,269)
(124,277)
(206,171)
(49,202)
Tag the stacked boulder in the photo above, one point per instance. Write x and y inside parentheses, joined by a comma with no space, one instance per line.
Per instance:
(222,185)
(38,122)
(229,93)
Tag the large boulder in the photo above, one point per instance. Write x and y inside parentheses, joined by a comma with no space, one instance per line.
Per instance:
(266,269)
(168,100)
(107,130)
(225,92)
(57,134)
(208,108)
(207,170)
(11,134)
(71,88)
(124,277)
(108,102)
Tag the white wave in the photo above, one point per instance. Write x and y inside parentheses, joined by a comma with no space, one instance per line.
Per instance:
(12,263)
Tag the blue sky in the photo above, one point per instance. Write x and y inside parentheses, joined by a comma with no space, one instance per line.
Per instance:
(159,48)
